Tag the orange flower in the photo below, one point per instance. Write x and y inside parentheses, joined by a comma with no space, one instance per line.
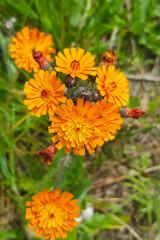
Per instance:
(108,58)
(76,63)
(113,85)
(52,214)
(44,93)
(85,125)
(27,41)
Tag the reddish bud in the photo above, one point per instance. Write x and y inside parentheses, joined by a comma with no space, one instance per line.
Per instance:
(42,61)
(108,58)
(70,82)
(133,113)
(48,154)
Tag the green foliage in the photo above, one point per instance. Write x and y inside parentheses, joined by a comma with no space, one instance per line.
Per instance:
(91,25)
(75,22)
(153,105)
(146,193)
(11,234)
(133,102)
(102,221)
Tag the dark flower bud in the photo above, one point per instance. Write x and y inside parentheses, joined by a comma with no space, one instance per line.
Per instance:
(70,82)
(65,91)
(96,95)
(82,92)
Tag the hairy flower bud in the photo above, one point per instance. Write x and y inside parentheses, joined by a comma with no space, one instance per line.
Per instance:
(96,95)
(65,91)
(42,61)
(70,82)
(48,154)
(133,113)
(82,92)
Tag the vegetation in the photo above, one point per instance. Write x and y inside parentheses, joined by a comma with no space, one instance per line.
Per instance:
(128,198)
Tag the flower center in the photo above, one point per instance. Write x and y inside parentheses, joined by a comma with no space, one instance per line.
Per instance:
(75,65)
(46,93)
(78,126)
(111,88)
(51,215)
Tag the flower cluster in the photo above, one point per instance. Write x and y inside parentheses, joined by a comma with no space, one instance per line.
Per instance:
(88,117)
(83,114)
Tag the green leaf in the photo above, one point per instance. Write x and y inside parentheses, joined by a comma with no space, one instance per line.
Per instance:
(84,236)
(153,105)
(11,234)
(133,102)
(145,160)
(103,221)
(156,202)
(3,164)
(139,15)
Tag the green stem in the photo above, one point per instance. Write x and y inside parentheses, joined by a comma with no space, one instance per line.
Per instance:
(59,173)
(62,25)
(48,67)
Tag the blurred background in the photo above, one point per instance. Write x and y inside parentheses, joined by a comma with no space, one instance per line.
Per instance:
(118,187)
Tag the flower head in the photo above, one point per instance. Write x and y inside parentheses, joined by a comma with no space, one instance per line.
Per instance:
(44,93)
(75,63)
(52,214)
(85,125)
(108,58)
(42,61)
(113,85)
(25,43)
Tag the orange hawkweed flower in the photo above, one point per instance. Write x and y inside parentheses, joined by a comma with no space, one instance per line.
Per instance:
(85,125)
(76,63)
(108,58)
(52,214)
(44,93)
(25,43)
(113,85)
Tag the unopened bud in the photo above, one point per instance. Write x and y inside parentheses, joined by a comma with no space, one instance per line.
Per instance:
(108,58)
(96,95)
(133,113)
(65,91)
(42,61)
(82,92)
(48,154)
(70,82)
